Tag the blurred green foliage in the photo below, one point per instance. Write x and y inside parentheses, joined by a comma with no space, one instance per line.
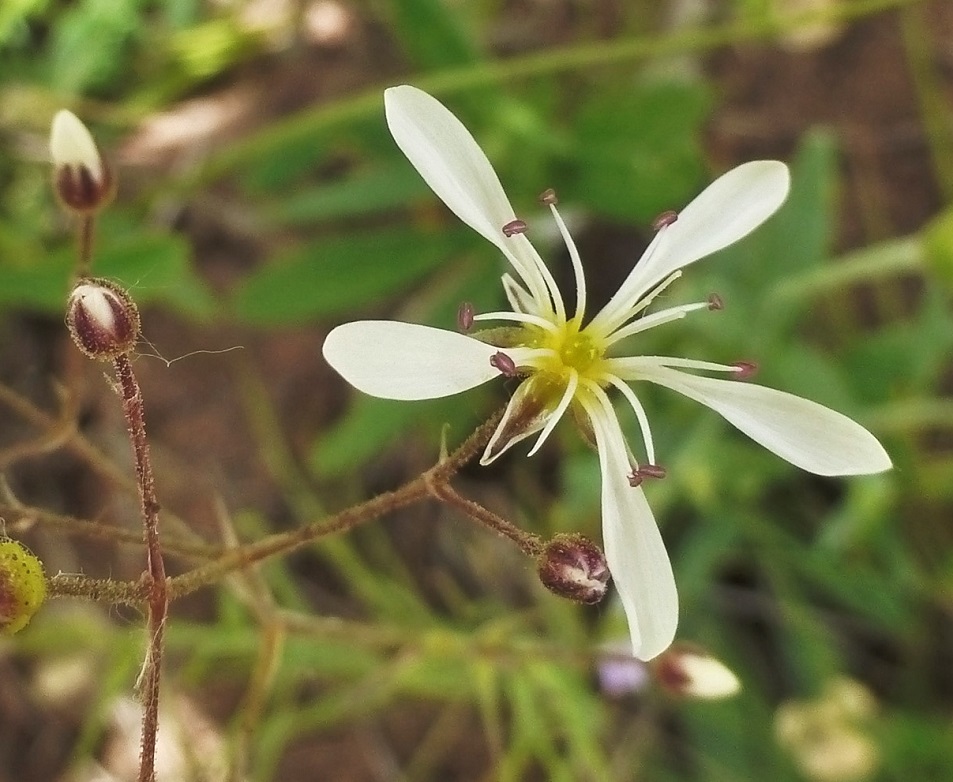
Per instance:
(790,579)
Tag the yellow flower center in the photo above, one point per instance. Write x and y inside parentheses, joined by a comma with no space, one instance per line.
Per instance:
(572,349)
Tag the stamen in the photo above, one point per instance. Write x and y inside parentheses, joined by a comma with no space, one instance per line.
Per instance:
(561,408)
(652,294)
(504,364)
(548,197)
(651,321)
(745,369)
(639,474)
(639,411)
(715,302)
(519,317)
(514,227)
(577,270)
(664,219)
(465,316)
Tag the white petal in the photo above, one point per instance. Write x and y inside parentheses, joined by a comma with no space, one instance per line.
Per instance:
(394,360)
(72,145)
(808,435)
(448,158)
(730,208)
(634,549)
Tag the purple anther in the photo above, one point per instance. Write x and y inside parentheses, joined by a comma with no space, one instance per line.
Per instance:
(664,219)
(465,316)
(504,364)
(745,369)
(514,227)
(548,197)
(715,302)
(639,474)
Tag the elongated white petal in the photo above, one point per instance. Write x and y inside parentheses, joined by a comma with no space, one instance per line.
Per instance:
(634,549)
(808,435)
(394,360)
(730,208)
(448,158)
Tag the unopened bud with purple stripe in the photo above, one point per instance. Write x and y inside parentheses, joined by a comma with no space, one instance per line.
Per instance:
(102,319)
(573,566)
(82,179)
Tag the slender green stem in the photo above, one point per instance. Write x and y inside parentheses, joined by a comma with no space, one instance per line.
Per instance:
(930,92)
(896,256)
(304,125)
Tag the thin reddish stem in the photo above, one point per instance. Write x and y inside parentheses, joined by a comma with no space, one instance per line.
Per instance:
(158,599)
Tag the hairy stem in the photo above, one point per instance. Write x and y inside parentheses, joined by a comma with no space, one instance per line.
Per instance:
(154,577)
(284,542)
(529,543)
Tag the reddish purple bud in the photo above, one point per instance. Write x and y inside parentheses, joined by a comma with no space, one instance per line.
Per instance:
(465,316)
(639,474)
(548,197)
(664,219)
(574,567)
(504,363)
(102,319)
(745,369)
(715,302)
(514,227)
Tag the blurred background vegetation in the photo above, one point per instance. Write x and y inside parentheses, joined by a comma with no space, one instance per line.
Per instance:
(262,202)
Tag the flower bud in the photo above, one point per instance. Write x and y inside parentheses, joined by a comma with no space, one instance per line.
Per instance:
(573,566)
(102,319)
(82,179)
(694,673)
(22,585)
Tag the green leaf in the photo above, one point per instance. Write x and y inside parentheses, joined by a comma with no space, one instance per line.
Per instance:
(903,357)
(377,189)
(373,425)
(938,247)
(14,14)
(431,34)
(339,274)
(88,43)
(638,148)
(154,267)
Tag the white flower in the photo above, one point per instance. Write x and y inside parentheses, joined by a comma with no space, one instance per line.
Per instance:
(567,361)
